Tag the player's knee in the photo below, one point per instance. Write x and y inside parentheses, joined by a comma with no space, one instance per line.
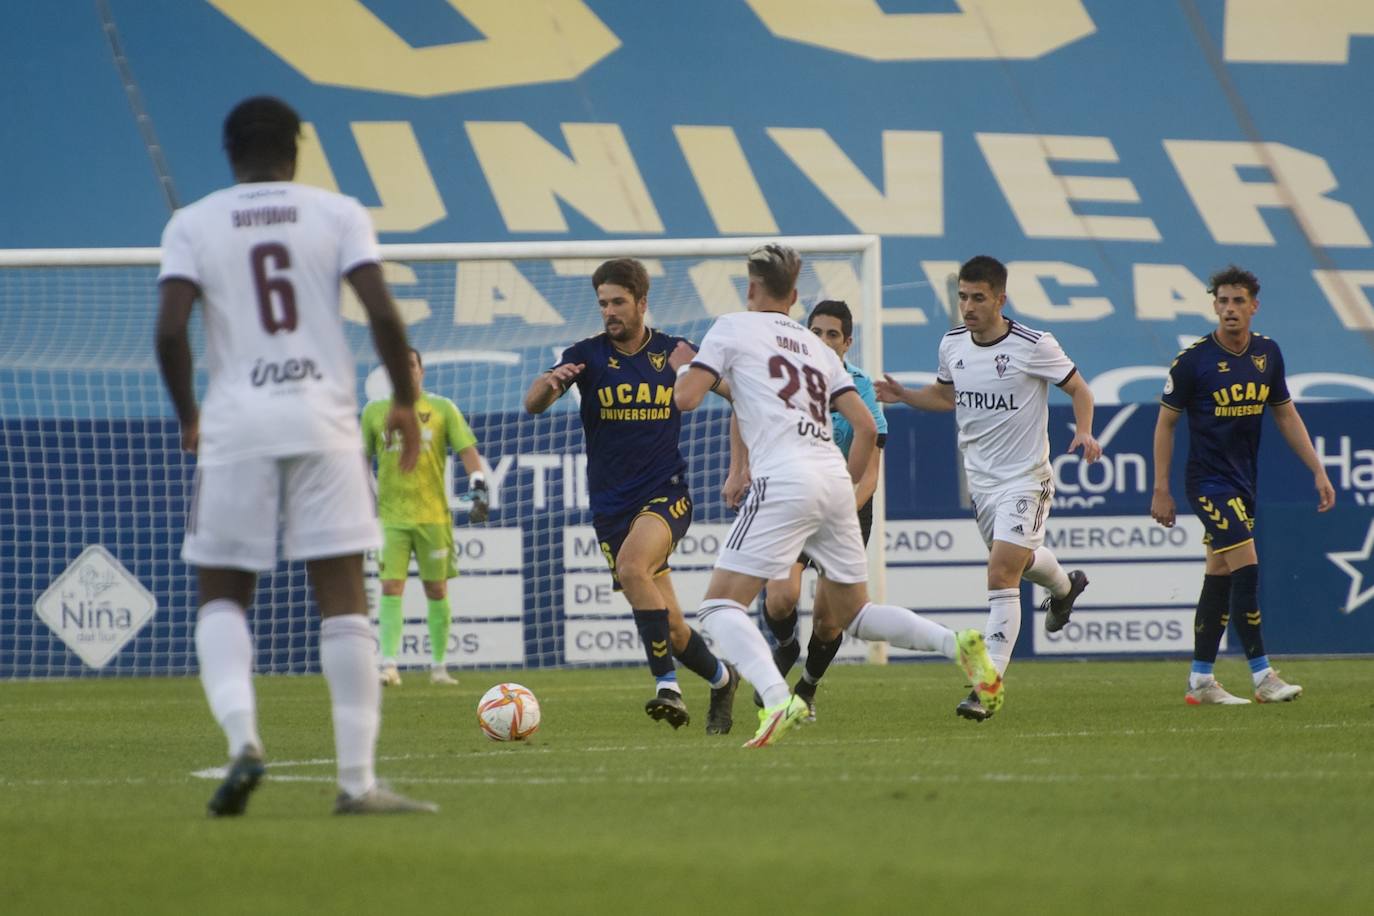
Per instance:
(436,591)
(393,587)
(780,601)
(631,573)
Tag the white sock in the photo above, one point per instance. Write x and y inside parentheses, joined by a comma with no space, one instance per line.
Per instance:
(1045,570)
(224,648)
(1004,625)
(348,654)
(739,642)
(902,627)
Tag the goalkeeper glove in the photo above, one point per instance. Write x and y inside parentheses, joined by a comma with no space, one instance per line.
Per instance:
(477,492)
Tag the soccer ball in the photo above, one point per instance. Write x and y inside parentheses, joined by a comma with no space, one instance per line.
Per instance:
(508,712)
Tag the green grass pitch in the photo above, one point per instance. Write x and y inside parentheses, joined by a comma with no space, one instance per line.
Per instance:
(1095,790)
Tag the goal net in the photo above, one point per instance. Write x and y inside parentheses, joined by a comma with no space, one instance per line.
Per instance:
(94,487)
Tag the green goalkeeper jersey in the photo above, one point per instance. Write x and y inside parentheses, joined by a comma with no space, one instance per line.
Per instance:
(417,498)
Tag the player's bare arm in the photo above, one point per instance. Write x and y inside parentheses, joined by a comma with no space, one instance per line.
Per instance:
(1162,508)
(937,397)
(737,479)
(1289,422)
(691,388)
(853,409)
(389,337)
(549,386)
(1082,396)
(868,484)
(682,356)
(177,297)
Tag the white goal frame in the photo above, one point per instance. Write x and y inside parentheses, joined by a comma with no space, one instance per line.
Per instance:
(868,311)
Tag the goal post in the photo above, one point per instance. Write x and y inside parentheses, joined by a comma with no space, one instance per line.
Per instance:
(97,488)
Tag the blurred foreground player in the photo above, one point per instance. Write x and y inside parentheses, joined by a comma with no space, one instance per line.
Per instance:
(279,435)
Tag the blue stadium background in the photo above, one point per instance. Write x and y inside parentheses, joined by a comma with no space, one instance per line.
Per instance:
(811,132)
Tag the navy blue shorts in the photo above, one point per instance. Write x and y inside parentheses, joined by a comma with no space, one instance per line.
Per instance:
(671,504)
(1226,519)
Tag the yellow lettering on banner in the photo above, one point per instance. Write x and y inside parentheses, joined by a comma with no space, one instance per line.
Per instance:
(1164,292)
(343,43)
(717,284)
(1042,200)
(486,289)
(1284,32)
(528,176)
(981,30)
(409,198)
(912,202)
(413,310)
(1230,206)
(725,179)
(1344,290)
(1027,296)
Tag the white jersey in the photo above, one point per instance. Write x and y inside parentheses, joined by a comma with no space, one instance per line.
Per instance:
(1001,406)
(782,380)
(268,258)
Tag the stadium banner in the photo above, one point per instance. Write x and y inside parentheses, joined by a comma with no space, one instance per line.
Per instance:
(1317,586)
(562,121)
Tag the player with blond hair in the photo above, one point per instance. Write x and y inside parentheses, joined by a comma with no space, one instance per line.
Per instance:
(784,384)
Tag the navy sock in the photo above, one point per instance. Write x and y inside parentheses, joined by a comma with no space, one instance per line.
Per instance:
(1210,620)
(785,630)
(697,657)
(819,655)
(653,629)
(1245,609)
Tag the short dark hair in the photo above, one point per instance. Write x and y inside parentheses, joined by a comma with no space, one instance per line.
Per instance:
(777,268)
(1234,276)
(419,360)
(985,269)
(261,131)
(835,308)
(626,272)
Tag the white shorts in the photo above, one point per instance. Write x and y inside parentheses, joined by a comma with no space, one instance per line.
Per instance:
(782,517)
(324,502)
(1015,513)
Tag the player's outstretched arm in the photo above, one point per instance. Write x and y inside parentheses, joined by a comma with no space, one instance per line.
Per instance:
(177,297)
(1082,396)
(853,409)
(1162,507)
(549,386)
(389,338)
(1294,431)
(935,397)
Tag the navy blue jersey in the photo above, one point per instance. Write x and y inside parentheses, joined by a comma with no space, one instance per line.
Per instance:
(629,419)
(1224,394)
